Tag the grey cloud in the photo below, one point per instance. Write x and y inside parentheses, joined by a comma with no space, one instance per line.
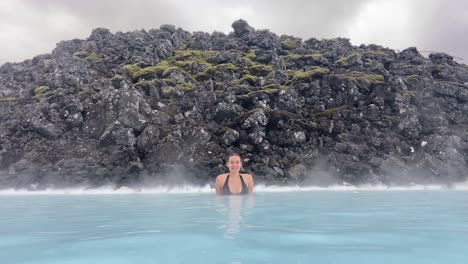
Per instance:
(306,19)
(435,24)
(117,15)
(443,27)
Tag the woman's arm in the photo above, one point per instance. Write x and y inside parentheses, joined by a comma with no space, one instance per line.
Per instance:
(219,183)
(250,182)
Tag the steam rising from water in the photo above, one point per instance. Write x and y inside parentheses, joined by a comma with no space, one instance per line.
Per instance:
(207,189)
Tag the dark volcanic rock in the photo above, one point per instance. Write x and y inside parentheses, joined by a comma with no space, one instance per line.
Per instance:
(241,27)
(164,107)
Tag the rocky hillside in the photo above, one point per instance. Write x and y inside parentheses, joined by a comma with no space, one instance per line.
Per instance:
(166,105)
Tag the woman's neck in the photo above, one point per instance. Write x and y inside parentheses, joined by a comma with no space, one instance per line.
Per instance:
(234,174)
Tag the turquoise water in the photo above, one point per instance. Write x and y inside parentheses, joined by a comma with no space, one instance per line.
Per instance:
(277,227)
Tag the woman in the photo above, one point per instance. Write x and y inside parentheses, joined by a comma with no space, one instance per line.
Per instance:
(234,182)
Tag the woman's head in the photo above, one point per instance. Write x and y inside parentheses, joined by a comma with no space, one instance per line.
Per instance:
(234,162)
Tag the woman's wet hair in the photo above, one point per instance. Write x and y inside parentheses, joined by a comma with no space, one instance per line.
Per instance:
(233,155)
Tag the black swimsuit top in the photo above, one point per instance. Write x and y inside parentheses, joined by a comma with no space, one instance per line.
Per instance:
(226,190)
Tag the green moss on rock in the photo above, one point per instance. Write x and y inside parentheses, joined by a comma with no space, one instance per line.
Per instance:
(251,79)
(250,56)
(49,62)
(41,90)
(314,72)
(345,61)
(93,57)
(132,70)
(41,95)
(288,44)
(169,82)
(293,57)
(193,55)
(411,78)
(80,54)
(260,70)
(88,92)
(186,87)
(363,80)
(8,99)
(410,92)
(168,92)
(273,86)
(376,52)
(135,72)
(228,66)
(330,111)
(146,72)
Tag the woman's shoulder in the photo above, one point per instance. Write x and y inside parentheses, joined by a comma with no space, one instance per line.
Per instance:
(222,176)
(246,175)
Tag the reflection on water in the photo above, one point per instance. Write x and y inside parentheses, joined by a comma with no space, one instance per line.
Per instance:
(233,208)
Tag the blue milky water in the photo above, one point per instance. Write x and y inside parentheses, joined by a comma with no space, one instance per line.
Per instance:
(285,227)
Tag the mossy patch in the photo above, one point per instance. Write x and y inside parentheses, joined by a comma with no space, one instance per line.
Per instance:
(132,70)
(80,54)
(406,66)
(294,57)
(168,92)
(186,58)
(42,95)
(187,65)
(330,111)
(210,71)
(182,60)
(49,62)
(251,79)
(228,66)
(314,72)
(346,61)
(135,72)
(288,44)
(88,91)
(291,57)
(169,82)
(453,83)
(186,87)
(93,57)
(250,56)
(260,70)
(195,66)
(193,55)
(292,119)
(376,52)
(41,90)
(146,72)
(410,92)
(117,77)
(144,84)
(84,55)
(8,99)
(363,80)
(274,86)
(411,78)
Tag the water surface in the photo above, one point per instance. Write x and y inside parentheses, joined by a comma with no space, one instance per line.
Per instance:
(422,226)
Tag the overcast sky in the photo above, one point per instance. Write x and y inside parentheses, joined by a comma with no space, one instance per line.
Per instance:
(32,27)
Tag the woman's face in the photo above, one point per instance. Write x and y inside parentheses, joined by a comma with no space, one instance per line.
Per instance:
(234,164)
